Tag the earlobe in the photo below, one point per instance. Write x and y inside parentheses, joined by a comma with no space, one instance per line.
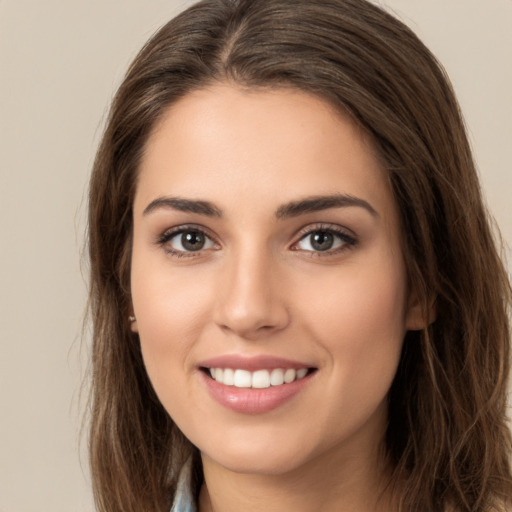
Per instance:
(419,314)
(133,323)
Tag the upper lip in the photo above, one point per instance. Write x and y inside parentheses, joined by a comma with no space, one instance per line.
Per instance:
(252,363)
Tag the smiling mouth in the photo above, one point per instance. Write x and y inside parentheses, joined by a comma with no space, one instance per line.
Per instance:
(259,379)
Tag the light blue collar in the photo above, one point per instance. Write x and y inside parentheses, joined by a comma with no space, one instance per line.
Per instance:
(184,500)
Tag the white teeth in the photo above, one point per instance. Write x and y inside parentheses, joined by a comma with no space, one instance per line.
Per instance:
(259,379)
(229,377)
(300,373)
(243,379)
(277,377)
(219,374)
(289,375)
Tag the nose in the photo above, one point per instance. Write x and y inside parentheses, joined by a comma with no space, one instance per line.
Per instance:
(251,300)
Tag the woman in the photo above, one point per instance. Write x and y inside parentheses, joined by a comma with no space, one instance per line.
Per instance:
(297,300)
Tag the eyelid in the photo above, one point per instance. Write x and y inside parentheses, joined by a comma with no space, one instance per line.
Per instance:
(324,226)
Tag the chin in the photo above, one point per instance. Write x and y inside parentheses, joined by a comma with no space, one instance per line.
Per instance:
(263,454)
(254,463)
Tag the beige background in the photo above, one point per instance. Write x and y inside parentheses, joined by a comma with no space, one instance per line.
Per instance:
(60,61)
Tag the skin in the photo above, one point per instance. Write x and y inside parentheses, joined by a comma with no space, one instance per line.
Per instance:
(259,287)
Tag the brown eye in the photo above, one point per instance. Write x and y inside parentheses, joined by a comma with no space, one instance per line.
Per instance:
(323,240)
(187,241)
(192,240)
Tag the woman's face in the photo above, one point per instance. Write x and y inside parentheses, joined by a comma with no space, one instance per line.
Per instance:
(266,252)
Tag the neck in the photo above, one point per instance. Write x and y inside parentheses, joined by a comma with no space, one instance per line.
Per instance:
(357,485)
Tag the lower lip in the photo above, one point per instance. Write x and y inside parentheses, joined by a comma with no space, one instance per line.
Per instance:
(254,401)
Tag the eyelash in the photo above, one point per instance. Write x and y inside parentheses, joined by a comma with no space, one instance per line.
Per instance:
(347,240)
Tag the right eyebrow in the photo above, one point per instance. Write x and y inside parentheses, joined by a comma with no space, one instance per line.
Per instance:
(183,205)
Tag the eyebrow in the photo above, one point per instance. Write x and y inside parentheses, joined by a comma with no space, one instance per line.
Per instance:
(319,203)
(184,205)
(286,211)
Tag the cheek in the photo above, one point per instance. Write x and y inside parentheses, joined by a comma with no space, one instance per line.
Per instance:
(359,316)
(359,322)
(167,299)
(171,311)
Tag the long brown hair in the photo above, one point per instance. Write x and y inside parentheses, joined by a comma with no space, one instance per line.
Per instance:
(447,437)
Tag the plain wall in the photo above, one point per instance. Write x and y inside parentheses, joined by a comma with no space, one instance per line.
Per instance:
(60,62)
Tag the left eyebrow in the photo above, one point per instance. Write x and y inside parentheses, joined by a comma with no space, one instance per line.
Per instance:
(319,203)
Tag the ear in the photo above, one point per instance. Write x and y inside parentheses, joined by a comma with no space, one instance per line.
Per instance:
(420,314)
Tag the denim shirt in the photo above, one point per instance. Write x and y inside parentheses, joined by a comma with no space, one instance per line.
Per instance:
(184,500)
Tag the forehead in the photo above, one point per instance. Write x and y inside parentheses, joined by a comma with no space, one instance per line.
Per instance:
(223,142)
